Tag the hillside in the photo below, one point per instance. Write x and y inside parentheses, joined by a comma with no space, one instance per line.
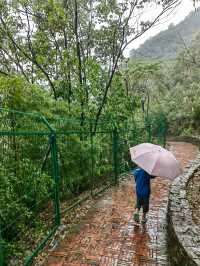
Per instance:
(168,43)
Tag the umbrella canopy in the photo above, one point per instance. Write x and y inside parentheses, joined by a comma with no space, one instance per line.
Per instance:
(155,160)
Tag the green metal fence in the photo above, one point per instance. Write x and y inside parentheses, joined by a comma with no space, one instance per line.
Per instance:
(44,164)
(26,189)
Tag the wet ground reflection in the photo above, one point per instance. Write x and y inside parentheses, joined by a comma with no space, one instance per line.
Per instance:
(110,238)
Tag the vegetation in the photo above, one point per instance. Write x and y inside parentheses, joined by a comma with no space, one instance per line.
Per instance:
(73,48)
(167,44)
(64,60)
(85,160)
(173,89)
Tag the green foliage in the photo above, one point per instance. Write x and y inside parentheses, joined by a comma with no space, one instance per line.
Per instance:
(85,159)
(61,59)
(18,94)
(72,48)
(175,91)
(24,192)
(27,188)
(77,172)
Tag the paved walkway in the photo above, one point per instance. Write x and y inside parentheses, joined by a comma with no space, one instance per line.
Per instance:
(109,237)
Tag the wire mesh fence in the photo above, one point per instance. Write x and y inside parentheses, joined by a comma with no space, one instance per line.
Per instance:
(43,164)
(88,167)
(27,189)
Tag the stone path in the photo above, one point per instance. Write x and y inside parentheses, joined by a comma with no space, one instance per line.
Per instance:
(109,237)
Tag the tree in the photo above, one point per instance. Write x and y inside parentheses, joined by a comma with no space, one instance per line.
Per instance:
(140,79)
(176,90)
(73,47)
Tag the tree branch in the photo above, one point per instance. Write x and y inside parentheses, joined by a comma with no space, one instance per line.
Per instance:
(193,59)
(123,45)
(30,58)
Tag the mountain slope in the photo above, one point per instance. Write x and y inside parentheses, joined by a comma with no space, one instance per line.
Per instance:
(168,43)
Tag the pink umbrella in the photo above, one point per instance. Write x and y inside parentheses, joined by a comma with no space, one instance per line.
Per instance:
(155,160)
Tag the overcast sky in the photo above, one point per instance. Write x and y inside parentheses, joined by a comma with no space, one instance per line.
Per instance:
(178,15)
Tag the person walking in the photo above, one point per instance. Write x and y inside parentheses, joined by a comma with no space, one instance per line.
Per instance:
(143,191)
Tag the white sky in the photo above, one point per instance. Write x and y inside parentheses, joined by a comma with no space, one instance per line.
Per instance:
(178,15)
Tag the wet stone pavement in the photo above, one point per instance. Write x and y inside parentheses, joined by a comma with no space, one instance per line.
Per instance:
(109,237)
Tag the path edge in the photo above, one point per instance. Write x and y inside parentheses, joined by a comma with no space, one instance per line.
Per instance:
(183,233)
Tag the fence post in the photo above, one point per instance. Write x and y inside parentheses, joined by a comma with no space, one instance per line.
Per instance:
(54,157)
(92,161)
(165,134)
(148,128)
(115,154)
(1,249)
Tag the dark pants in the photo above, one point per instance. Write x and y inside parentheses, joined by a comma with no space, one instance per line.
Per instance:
(142,203)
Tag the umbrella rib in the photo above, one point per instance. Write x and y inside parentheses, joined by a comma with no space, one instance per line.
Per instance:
(146,153)
(156,161)
(143,154)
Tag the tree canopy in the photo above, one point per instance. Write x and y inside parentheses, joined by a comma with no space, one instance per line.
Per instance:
(72,48)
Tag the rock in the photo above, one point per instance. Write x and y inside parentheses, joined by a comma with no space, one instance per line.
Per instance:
(53,244)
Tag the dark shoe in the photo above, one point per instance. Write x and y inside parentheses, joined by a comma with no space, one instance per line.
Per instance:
(144,220)
(136,217)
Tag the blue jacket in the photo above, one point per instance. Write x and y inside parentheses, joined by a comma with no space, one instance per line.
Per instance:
(142,180)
